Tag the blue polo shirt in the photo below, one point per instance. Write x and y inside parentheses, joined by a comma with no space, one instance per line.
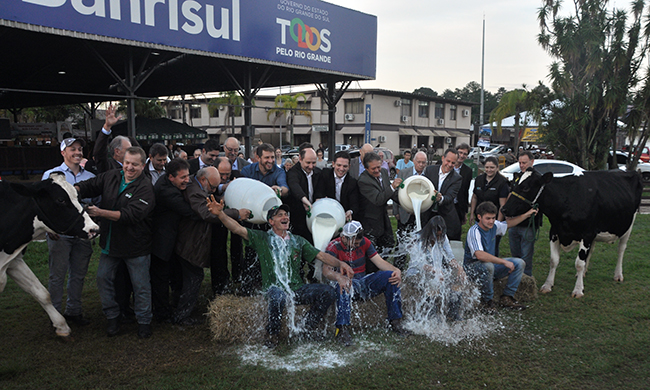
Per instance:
(275,177)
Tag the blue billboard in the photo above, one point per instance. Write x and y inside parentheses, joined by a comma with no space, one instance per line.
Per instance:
(305,33)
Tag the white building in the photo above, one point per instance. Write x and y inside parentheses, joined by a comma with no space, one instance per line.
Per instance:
(398,120)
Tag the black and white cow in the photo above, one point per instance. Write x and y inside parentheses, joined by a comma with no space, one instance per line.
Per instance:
(592,206)
(28,211)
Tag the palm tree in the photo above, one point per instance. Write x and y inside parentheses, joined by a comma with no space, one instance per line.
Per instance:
(512,103)
(284,103)
(233,101)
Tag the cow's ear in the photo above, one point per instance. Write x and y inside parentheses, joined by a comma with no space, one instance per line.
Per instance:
(547,177)
(23,190)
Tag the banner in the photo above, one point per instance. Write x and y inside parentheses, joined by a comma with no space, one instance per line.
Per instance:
(307,33)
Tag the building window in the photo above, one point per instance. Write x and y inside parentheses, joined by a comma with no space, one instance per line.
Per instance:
(354,106)
(423,109)
(195,111)
(405,142)
(406,107)
(303,107)
(438,142)
(452,112)
(440,110)
(175,112)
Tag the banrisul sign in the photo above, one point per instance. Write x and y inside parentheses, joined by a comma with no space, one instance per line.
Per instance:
(306,33)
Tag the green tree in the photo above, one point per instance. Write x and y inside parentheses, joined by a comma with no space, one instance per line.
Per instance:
(512,103)
(147,108)
(637,120)
(53,114)
(597,56)
(472,93)
(233,103)
(288,106)
(426,91)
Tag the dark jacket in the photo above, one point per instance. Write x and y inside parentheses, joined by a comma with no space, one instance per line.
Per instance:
(463,193)
(194,239)
(373,198)
(131,236)
(170,208)
(194,165)
(446,208)
(103,163)
(349,191)
(299,188)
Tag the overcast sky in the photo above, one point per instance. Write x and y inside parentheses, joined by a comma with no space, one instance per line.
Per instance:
(437,44)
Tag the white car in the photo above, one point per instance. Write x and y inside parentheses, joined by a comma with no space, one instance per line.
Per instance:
(642,167)
(558,167)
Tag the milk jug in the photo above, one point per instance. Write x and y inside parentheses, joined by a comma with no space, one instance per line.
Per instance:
(245,193)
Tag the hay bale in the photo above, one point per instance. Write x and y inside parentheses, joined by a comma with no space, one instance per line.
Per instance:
(526,292)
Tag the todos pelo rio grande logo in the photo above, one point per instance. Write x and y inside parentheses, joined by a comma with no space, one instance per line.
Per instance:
(305,36)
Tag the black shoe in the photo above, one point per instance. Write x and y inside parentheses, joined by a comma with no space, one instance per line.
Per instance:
(396,327)
(77,320)
(343,336)
(144,331)
(113,327)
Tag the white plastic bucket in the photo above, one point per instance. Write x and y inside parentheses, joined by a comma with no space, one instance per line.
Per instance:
(418,187)
(245,193)
(327,217)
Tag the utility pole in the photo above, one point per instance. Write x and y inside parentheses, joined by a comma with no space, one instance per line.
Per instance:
(482,110)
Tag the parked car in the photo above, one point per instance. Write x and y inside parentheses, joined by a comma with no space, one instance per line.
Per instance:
(499,150)
(389,157)
(474,151)
(642,167)
(559,168)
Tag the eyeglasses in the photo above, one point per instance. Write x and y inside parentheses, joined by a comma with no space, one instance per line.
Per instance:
(232,150)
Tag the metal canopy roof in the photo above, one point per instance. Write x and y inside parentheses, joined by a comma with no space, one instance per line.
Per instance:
(30,71)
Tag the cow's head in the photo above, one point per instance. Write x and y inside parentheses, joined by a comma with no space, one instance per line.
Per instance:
(58,209)
(525,193)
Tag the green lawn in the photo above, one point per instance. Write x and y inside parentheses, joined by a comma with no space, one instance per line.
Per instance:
(601,341)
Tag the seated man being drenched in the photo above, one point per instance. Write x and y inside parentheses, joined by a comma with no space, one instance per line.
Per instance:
(354,249)
(280,254)
(480,262)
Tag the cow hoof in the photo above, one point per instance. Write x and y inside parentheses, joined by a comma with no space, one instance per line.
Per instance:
(618,278)
(545,289)
(577,294)
(66,339)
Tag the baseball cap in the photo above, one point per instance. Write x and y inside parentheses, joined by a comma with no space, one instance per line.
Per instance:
(274,210)
(69,141)
(352,229)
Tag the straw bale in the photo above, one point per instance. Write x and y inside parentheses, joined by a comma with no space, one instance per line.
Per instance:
(526,292)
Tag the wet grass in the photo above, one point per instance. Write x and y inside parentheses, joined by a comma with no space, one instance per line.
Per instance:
(600,341)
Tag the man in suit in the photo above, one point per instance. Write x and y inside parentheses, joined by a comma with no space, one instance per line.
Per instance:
(302,179)
(462,199)
(375,190)
(209,153)
(447,183)
(356,164)
(231,148)
(337,184)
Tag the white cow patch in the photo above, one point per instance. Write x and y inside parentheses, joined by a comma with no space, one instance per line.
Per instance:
(525,176)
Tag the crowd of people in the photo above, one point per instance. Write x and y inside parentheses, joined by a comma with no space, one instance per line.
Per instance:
(163,221)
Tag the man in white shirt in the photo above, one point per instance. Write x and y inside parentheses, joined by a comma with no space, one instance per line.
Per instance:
(447,182)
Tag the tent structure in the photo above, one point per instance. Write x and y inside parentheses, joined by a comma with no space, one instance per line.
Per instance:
(70,51)
(160,129)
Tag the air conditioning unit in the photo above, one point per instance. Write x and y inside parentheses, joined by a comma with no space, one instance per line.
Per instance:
(381,138)
(349,117)
(448,140)
(441,121)
(404,118)
(465,113)
(398,103)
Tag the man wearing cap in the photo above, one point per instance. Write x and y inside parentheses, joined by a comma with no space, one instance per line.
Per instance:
(272,246)
(68,253)
(354,249)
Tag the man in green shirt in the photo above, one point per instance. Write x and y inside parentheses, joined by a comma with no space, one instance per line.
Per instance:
(280,254)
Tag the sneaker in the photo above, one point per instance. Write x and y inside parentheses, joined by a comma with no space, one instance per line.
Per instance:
(510,303)
(113,327)
(487,307)
(144,331)
(396,327)
(77,320)
(271,341)
(343,336)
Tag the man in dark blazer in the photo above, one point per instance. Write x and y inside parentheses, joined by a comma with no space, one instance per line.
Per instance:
(375,190)
(451,182)
(209,153)
(356,164)
(231,149)
(115,149)
(462,199)
(338,176)
(303,179)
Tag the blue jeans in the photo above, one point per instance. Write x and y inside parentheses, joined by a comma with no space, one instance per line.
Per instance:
(365,288)
(320,296)
(68,254)
(485,273)
(522,245)
(139,272)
